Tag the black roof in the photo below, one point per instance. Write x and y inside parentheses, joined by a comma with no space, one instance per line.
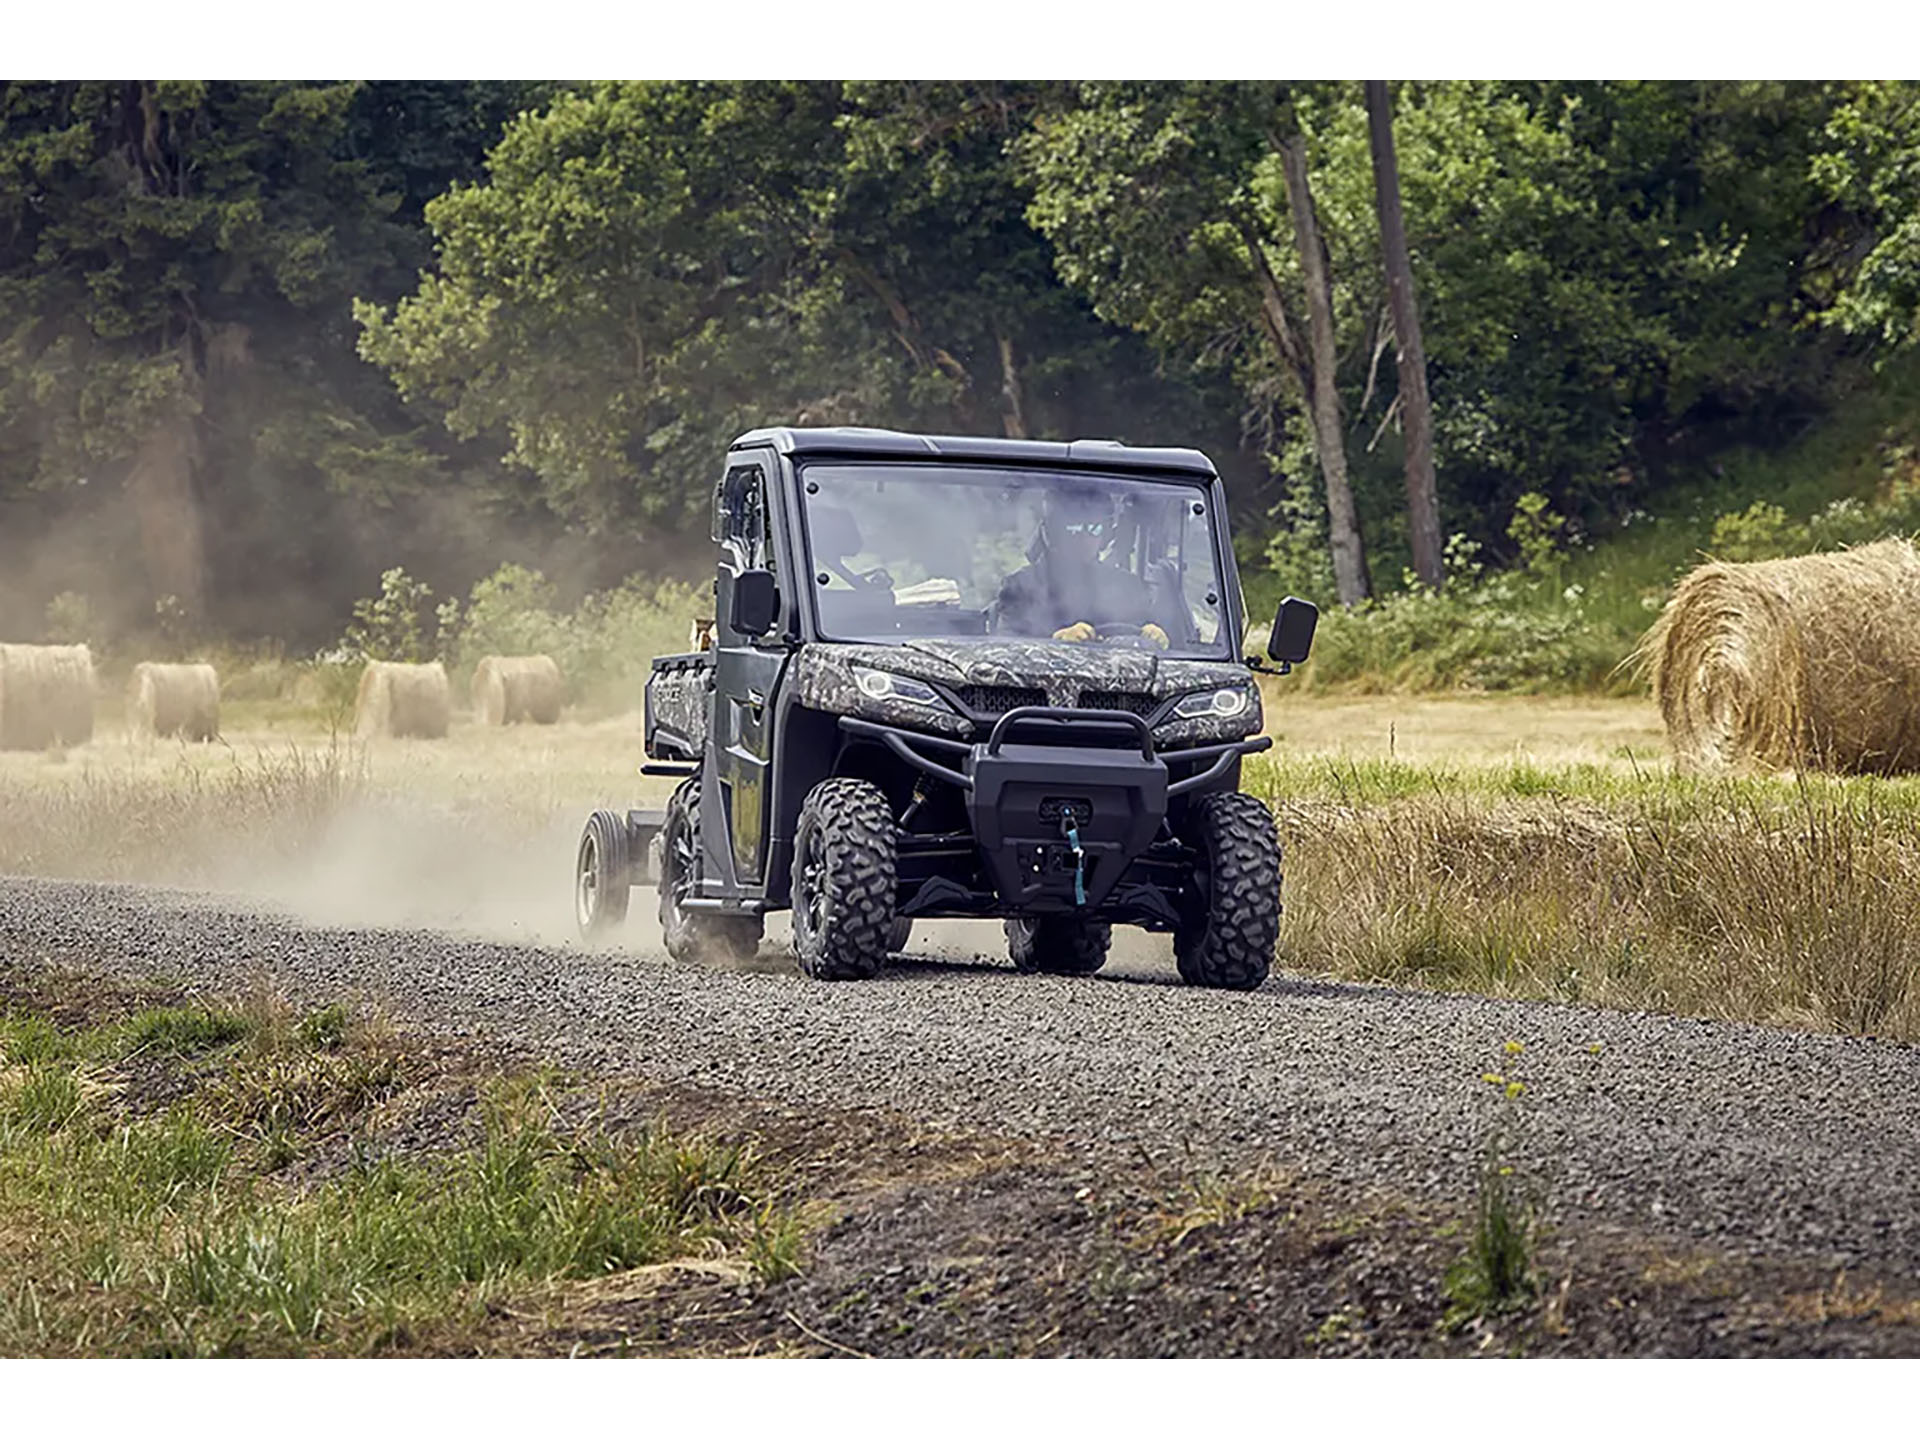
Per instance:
(858,442)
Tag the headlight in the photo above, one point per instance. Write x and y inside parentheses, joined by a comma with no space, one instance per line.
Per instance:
(885,685)
(1225,704)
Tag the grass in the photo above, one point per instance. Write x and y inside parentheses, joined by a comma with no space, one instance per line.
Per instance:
(1781,901)
(134,1228)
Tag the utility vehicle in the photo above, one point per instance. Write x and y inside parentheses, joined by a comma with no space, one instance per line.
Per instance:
(916,706)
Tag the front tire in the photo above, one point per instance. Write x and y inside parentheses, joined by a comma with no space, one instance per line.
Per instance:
(843,881)
(602,875)
(693,935)
(1058,945)
(1231,915)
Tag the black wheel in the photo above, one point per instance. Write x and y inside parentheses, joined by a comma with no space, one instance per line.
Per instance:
(1231,912)
(899,935)
(602,875)
(843,877)
(1058,945)
(691,934)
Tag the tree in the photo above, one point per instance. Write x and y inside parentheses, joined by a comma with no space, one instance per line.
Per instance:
(650,269)
(1416,410)
(1351,582)
(175,264)
(1167,205)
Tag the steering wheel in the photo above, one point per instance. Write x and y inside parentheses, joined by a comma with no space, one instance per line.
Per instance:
(1123,634)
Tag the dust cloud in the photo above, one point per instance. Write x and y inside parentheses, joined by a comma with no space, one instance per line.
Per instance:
(384,868)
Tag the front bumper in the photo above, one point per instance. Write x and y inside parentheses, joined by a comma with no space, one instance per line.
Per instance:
(1055,826)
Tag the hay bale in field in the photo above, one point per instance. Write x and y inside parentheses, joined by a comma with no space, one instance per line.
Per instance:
(170,700)
(403,700)
(1812,662)
(510,688)
(46,696)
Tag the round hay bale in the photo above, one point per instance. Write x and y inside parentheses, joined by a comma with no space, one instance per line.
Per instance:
(173,700)
(402,701)
(1811,663)
(508,689)
(46,696)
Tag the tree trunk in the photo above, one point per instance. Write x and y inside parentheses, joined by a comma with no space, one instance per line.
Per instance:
(1014,410)
(1416,410)
(1350,581)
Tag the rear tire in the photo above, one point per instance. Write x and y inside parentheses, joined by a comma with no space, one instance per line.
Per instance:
(602,875)
(1058,945)
(693,935)
(1231,915)
(843,879)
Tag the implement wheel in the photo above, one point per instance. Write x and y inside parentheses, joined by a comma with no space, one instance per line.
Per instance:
(602,875)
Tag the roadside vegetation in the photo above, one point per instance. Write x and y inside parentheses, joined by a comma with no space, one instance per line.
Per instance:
(1780,900)
(187,1179)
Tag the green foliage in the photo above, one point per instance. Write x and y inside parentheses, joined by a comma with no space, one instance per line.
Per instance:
(324,1029)
(1515,630)
(164,1232)
(388,626)
(182,1030)
(604,646)
(1621,285)
(1535,531)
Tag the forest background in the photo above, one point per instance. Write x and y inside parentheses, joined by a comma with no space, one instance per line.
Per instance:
(262,344)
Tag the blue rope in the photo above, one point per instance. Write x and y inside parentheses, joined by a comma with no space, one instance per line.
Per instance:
(1079,862)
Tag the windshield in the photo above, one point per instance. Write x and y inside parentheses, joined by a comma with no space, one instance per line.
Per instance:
(903,551)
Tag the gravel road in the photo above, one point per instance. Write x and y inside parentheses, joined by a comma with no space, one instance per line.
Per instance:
(1747,1140)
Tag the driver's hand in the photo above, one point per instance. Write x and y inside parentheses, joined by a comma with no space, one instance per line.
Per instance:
(1077,632)
(1155,634)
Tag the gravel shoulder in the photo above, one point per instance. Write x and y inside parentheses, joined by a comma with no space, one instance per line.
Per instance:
(1709,1173)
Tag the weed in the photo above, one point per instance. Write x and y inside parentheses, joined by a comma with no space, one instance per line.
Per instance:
(1337,1326)
(1496,1274)
(1208,1200)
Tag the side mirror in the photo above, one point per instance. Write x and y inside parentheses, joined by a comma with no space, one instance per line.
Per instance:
(756,602)
(1293,630)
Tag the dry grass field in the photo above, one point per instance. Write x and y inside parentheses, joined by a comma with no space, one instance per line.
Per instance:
(1519,846)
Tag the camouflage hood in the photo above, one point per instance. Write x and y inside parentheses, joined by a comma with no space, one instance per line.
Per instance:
(1062,671)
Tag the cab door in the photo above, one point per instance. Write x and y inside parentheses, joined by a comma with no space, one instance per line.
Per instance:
(747,674)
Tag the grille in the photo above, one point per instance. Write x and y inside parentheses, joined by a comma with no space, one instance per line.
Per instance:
(1132,701)
(998,699)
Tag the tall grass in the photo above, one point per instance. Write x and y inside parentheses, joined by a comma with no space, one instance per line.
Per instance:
(186,824)
(1792,902)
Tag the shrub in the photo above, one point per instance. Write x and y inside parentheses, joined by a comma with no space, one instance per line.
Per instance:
(604,646)
(387,626)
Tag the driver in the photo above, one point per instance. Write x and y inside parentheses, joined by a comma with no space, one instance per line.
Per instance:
(1067,589)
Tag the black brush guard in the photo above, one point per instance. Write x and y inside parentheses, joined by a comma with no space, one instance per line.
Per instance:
(1057,824)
